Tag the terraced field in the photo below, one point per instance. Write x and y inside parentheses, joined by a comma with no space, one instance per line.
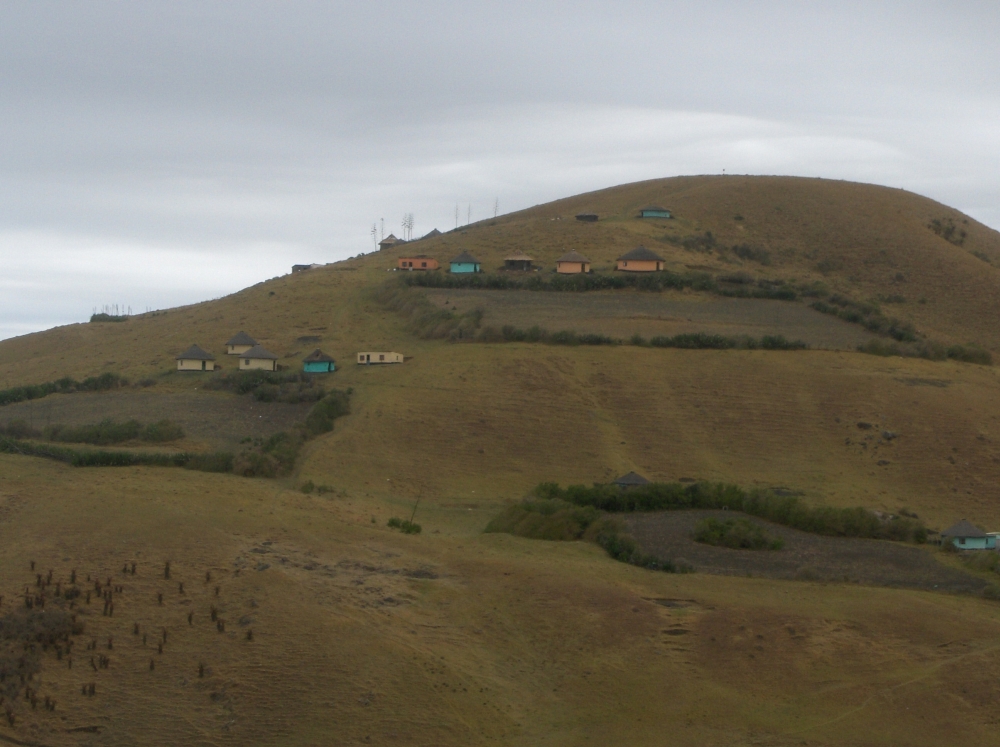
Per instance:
(621,314)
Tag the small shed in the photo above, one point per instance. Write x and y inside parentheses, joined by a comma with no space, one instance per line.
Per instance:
(967,536)
(640,259)
(318,362)
(518,261)
(631,480)
(654,211)
(365,359)
(240,343)
(587,217)
(417,262)
(572,263)
(259,359)
(465,262)
(195,359)
(389,241)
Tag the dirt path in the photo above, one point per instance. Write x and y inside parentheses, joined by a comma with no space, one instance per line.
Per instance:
(667,534)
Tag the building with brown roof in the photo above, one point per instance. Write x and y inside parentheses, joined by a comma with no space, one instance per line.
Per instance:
(240,343)
(640,259)
(318,362)
(518,261)
(258,359)
(389,241)
(572,263)
(195,359)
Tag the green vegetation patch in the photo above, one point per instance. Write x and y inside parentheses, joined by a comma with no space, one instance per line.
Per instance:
(781,509)
(559,520)
(404,525)
(738,534)
(930,351)
(270,386)
(65,385)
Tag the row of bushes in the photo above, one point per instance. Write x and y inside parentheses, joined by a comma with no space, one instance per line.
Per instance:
(270,457)
(930,351)
(423,318)
(596,281)
(868,315)
(270,386)
(787,510)
(277,454)
(65,385)
(556,519)
(738,534)
(210,462)
(109,432)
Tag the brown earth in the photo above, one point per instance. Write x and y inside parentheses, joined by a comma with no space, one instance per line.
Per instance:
(621,314)
(216,420)
(805,556)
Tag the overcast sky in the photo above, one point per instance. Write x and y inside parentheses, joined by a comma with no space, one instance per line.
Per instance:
(160,153)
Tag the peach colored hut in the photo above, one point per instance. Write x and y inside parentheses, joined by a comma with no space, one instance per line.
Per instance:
(417,262)
(640,259)
(572,263)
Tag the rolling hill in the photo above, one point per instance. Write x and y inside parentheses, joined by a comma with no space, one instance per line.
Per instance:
(363,635)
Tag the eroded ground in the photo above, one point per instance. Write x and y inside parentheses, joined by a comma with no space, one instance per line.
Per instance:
(805,556)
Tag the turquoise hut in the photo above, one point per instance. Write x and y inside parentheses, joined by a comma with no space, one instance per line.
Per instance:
(966,536)
(465,262)
(318,362)
(654,211)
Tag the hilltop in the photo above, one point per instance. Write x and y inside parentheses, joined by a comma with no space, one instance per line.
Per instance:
(453,636)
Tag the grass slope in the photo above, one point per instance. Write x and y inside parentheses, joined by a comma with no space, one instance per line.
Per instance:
(455,637)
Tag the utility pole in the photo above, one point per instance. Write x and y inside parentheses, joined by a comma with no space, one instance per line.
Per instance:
(468,215)
(382,222)
(456,215)
(496,207)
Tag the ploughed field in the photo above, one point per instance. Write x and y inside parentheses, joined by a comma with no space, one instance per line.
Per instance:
(805,556)
(622,314)
(214,420)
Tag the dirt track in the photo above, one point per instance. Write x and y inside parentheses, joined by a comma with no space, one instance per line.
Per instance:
(810,557)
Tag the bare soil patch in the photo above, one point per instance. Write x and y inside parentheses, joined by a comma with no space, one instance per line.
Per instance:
(217,419)
(805,556)
(625,313)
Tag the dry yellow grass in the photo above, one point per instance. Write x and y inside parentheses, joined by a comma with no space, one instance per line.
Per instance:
(454,637)
(522,642)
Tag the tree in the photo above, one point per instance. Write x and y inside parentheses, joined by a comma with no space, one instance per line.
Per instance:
(496,207)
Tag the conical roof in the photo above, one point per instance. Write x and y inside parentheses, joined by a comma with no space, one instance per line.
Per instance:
(431,234)
(465,259)
(641,253)
(573,257)
(318,356)
(963,528)
(194,353)
(258,352)
(654,207)
(632,478)
(242,338)
(518,257)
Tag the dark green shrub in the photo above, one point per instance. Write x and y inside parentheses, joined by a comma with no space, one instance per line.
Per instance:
(19,429)
(739,534)
(780,509)
(404,525)
(545,519)
(161,431)
(334,405)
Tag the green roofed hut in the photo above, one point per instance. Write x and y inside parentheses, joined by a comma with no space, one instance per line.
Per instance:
(318,362)
(654,211)
(465,262)
(631,480)
(967,536)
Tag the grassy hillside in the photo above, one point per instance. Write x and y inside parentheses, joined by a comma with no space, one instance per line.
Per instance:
(456,637)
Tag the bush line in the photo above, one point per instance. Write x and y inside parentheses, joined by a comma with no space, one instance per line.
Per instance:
(786,510)
(65,385)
